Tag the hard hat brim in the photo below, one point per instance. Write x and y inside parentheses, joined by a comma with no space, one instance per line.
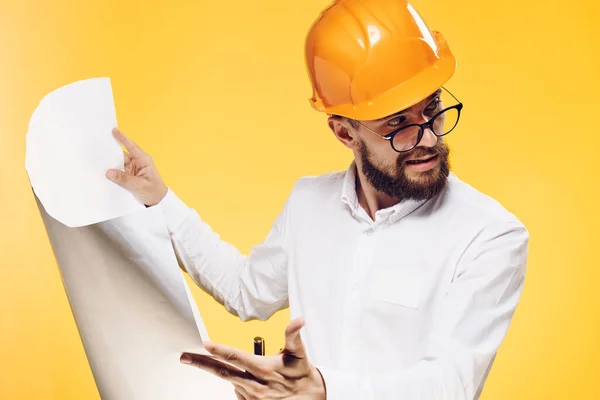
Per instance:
(400,97)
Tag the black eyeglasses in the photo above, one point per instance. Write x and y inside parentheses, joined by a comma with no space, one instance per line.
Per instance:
(408,137)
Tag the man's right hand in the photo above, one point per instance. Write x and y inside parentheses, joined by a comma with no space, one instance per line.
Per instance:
(140,176)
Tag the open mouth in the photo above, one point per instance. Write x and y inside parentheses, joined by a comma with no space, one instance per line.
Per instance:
(422,161)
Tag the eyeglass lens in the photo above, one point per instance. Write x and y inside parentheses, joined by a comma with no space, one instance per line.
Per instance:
(441,125)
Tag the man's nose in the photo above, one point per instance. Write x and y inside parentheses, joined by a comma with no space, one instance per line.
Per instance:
(429,139)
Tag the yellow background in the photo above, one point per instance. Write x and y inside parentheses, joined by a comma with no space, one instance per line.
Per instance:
(216,92)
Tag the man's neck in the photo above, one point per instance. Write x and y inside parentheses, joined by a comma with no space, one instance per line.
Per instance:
(370,199)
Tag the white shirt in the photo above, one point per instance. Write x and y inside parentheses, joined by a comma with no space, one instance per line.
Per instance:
(410,306)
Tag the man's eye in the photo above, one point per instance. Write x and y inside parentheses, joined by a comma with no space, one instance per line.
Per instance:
(434,105)
(396,121)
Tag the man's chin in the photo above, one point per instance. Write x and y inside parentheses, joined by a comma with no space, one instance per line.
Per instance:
(426,184)
(422,176)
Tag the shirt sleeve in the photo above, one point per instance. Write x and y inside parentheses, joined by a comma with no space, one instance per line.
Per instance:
(468,328)
(250,286)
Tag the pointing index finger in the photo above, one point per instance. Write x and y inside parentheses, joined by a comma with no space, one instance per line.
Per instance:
(134,150)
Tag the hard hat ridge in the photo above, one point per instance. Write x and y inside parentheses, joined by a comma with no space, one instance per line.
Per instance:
(367,59)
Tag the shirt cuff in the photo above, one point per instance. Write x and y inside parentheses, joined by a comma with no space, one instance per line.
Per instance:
(174,211)
(339,385)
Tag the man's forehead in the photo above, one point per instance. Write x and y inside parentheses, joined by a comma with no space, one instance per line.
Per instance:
(425,100)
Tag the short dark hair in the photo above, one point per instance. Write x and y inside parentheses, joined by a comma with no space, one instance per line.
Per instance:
(352,122)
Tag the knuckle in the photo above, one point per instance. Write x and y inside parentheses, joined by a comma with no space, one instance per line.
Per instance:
(223,372)
(259,392)
(231,358)
(263,392)
(279,381)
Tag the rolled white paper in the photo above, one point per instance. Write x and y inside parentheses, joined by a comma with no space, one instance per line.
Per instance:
(132,309)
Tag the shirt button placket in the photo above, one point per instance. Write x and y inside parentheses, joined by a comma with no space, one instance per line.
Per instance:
(353,304)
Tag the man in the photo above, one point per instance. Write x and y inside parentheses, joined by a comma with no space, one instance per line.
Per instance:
(403,277)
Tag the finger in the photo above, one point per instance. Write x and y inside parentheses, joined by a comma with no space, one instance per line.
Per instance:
(123,179)
(130,168)
(224,371)
(134,150)
(293,340)
(254,392)
(241,393)
(129,164)
(239,358)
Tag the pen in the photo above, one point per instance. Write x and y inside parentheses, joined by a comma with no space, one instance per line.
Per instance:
(259,346)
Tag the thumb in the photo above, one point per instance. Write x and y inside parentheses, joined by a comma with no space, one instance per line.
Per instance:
(293,340)
(121,178)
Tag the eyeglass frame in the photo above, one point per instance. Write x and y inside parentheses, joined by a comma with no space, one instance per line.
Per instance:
(429,124)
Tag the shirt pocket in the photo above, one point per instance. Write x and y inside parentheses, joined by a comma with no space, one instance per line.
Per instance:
(397,286)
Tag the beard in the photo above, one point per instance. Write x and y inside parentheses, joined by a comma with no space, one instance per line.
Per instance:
(397,184)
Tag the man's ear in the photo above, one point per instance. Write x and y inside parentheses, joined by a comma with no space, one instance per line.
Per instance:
(343,130)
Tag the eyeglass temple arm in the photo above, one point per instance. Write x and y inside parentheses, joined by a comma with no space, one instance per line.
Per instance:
(450,93)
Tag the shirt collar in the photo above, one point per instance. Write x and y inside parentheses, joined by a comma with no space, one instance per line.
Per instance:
(394,213)
(349,188)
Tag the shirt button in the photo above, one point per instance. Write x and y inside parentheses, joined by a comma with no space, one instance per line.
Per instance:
(369,232)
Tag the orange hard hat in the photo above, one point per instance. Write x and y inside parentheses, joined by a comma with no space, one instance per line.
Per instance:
(368,59)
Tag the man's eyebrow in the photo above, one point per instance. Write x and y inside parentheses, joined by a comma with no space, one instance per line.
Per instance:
(428,98)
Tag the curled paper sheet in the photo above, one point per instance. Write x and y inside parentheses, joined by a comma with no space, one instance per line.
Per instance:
(132,307)
(69,150)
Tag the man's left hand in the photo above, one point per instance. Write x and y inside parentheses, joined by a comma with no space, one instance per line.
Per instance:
(287,375)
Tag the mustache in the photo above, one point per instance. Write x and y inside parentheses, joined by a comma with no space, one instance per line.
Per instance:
(420,152)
